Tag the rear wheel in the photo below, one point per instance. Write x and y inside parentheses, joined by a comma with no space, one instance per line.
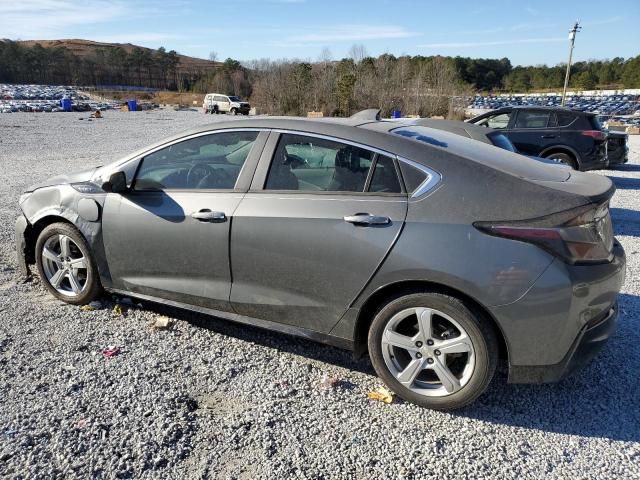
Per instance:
(65,264)
(564,158)
(433,350)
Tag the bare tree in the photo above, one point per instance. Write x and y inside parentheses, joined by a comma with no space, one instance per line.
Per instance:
(358,52)
(213,56)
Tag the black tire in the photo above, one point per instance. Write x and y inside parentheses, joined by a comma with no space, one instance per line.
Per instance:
(564,158)
(92,288)
(481,334)
(233,111)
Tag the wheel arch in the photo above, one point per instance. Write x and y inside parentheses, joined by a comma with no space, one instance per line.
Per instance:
(395,290)
(562,149)
(34,229)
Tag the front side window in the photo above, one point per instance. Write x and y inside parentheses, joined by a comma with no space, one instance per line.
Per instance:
(207,162)
(317,165)
(500,120)
(532,120)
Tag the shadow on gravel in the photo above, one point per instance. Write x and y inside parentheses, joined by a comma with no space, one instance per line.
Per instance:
(625,183)
(626,168)
(599,401)
(626,221)
(602,400)
(279,341)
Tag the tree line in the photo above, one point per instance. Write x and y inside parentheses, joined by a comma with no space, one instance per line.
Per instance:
(103,66)
(420,85)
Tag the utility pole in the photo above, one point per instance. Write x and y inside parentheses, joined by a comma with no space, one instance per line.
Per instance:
(572,37)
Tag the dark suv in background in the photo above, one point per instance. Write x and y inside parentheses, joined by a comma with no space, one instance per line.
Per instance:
(571,137)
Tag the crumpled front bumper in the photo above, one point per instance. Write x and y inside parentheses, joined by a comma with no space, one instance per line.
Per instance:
(21,244)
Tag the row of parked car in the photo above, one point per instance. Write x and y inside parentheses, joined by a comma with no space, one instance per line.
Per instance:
(601,104)
(47,98)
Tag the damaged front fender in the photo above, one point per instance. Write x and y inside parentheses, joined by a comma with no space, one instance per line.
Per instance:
(61,203)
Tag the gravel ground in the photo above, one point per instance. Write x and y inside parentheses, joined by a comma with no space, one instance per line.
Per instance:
(211,399)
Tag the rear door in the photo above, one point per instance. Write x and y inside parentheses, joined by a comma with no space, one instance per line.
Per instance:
(319,219)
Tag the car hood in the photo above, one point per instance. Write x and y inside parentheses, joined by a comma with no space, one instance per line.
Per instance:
(82,176)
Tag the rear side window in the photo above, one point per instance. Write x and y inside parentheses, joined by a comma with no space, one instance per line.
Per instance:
(412,176)
(564,119)
(532,119)
(313,164)
(385,178)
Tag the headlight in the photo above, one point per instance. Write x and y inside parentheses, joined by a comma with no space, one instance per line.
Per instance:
(87,187)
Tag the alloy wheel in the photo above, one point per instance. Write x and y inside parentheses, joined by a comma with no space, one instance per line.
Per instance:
(64,265)
(428,351)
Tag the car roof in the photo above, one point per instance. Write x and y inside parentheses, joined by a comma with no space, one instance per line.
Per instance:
(540,107)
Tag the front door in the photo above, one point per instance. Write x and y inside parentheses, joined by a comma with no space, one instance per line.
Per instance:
(307,238)
(168,236)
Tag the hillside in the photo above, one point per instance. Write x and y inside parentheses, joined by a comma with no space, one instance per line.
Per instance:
(86,48)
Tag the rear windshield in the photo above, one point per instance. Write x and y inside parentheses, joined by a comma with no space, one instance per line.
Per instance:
(501,141)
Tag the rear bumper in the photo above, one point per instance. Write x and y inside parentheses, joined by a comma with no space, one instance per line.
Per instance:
(554,328)
(585,347)
(21,245)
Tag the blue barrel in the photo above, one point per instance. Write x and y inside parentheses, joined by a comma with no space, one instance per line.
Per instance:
(65,103)
(396,114)
(133,105)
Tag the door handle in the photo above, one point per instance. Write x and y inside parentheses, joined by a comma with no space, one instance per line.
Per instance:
(548,136)
(367,219)
(209,216)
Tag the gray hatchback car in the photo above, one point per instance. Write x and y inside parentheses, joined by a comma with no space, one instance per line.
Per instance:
(436,254)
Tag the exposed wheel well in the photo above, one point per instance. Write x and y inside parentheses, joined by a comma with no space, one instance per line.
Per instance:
(33,231)
(386,294)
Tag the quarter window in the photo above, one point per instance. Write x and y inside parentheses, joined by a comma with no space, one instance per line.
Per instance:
(206,162)
(565,119)
(317,165)
(532,120)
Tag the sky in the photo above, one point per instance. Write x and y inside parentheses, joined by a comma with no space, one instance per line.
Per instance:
(526,32)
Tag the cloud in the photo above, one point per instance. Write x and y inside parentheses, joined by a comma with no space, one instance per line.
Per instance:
(139,38)
(490,44)
(45,18)
(346,33)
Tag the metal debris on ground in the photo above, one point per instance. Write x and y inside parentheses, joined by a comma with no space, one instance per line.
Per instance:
(381,395)
(110,351)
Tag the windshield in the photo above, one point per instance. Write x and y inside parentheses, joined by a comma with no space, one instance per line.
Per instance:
(234,99)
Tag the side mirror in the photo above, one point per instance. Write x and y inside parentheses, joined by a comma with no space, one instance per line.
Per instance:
(117,183)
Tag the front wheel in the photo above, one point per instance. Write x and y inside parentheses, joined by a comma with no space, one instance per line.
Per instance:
(433,350)
(65,264)
(233,111)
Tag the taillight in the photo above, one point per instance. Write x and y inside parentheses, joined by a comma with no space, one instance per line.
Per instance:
(586,237)
(596,134)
